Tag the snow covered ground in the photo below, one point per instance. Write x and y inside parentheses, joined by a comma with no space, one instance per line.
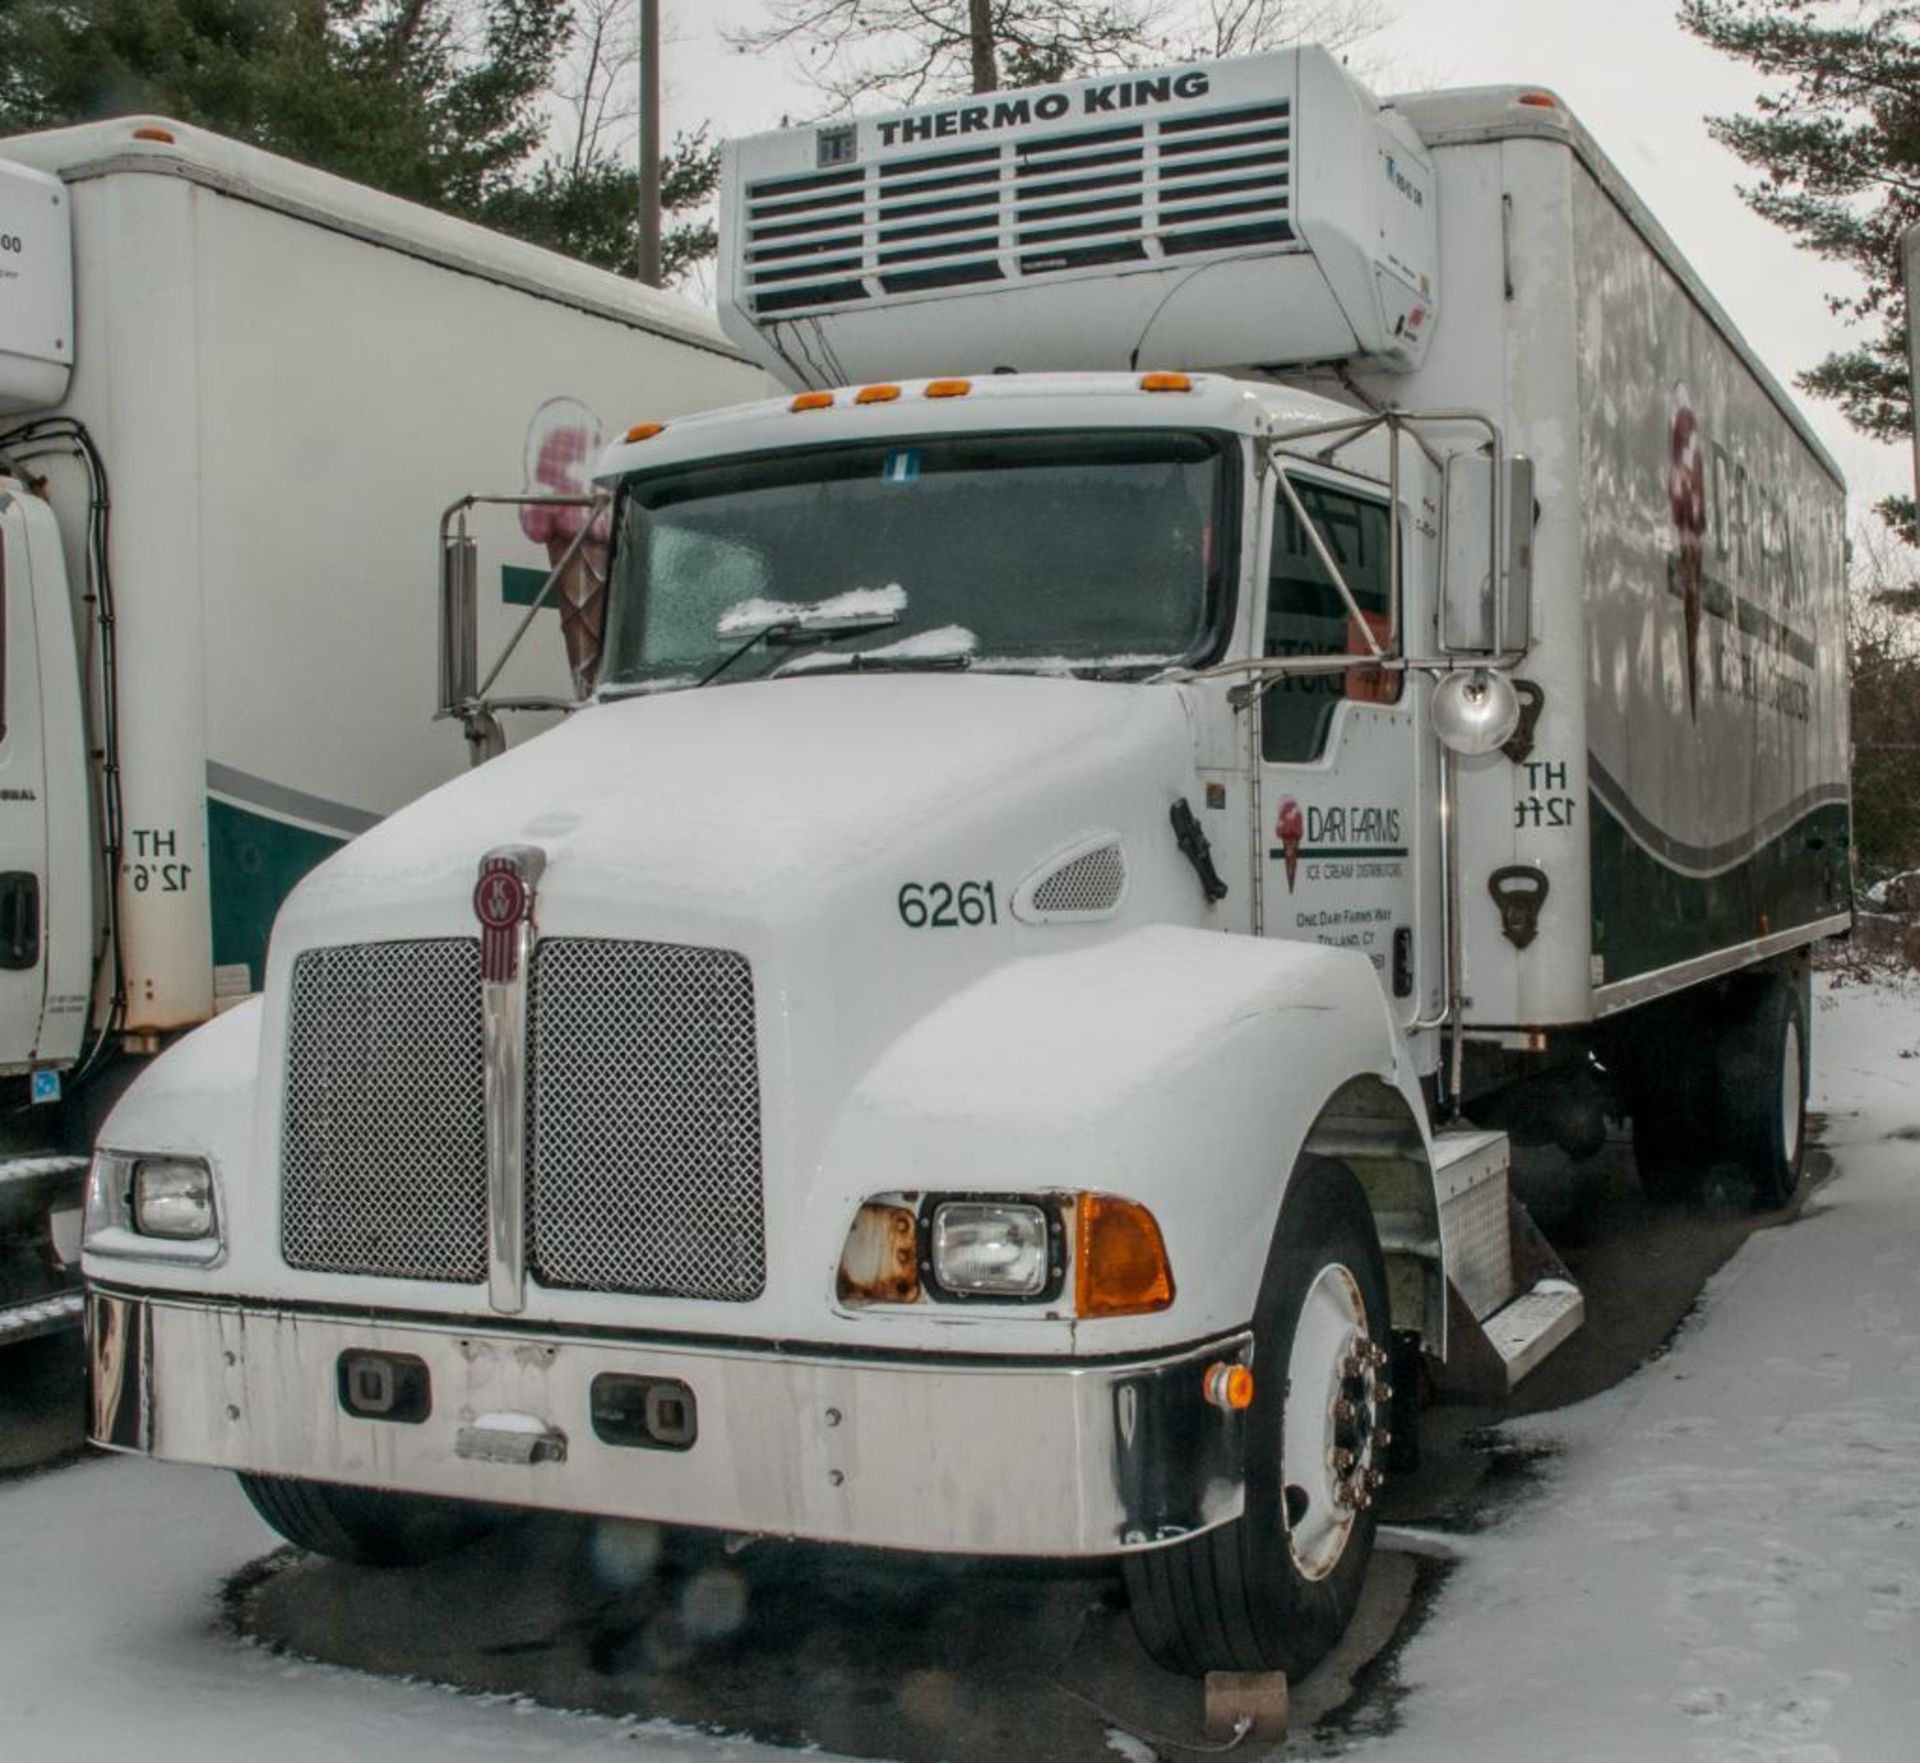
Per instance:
(1722,1562)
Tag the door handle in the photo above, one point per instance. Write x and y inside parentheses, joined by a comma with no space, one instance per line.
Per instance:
(19,920)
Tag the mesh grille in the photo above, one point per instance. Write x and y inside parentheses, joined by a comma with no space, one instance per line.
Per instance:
(644,1117)
(1032,207)
(1090,883)
(384,1146)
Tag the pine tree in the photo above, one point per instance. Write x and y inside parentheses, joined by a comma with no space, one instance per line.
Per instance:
(441,101)
(1836,141)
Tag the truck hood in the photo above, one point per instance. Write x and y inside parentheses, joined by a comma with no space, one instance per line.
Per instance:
(718,809)
(842,855)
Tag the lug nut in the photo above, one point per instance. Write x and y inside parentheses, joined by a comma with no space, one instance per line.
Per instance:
(1383,1392)
(1342,1460)
(1382,1438)
(1343,1412)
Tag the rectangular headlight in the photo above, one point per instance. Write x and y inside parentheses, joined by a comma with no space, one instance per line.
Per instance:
(173,1198)
(990,1249)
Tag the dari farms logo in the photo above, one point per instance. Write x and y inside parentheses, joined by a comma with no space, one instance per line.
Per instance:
(1740,560)
(1363,839)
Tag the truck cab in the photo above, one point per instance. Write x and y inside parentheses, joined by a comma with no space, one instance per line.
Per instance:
(966,1040)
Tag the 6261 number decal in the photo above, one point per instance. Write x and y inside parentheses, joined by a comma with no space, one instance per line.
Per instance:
(948,905)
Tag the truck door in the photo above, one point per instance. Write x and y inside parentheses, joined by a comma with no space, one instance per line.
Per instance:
(47,888)
(1350,830)
(23,792)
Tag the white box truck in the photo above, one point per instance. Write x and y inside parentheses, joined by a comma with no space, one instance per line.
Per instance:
(1278,642)
(229,388)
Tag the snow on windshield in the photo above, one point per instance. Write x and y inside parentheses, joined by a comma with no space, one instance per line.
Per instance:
(850,607)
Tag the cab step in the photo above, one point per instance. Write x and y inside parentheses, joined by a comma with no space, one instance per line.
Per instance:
(1510,1302)
(48,1315)
(50,1168)
(1527,1330)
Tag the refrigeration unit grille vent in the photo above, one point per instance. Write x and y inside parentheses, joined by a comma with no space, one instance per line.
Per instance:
(1132,193)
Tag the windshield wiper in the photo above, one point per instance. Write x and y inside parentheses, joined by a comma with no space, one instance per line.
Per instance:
(876,661)
(948,648)
(795,633)
(858,612)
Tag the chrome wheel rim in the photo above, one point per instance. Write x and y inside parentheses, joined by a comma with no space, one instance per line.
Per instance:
(1334,1423)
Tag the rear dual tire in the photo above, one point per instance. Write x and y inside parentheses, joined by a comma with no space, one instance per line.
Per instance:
(1724,1079)
(1763,1090)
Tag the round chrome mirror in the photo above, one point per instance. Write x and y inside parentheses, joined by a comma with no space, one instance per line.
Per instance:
(1475,711)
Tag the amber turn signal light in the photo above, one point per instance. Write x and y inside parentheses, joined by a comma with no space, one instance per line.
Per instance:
(1166,382)
(1229,1387)
(1120,1262)
(644,431)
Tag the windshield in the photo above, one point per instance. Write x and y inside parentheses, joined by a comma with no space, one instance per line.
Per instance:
(1023,550)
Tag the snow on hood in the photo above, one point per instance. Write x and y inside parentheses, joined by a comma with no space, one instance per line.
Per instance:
(742,797)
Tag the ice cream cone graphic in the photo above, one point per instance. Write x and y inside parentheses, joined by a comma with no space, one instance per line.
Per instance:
(563,443)
(1289,829)
(1687,501)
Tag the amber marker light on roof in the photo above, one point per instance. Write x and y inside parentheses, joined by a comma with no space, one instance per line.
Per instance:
(163,136)
(949,388)
(644,431)
(876,394)
(812,401)
(1540,100)
(1165,382)
(1120,1262)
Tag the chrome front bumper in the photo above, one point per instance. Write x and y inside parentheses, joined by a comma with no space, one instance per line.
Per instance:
(1025,1458)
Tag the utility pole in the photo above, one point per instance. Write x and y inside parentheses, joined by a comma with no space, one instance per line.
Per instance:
(650,142)
(986,75)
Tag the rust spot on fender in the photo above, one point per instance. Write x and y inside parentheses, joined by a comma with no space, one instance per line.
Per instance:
(881,1262)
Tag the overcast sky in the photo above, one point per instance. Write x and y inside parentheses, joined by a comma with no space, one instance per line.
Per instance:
(1640,84)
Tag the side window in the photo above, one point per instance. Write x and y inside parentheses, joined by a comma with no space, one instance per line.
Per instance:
(1306,616)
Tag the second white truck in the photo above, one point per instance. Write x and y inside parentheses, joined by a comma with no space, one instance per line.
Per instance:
(1275,644)
(230,388)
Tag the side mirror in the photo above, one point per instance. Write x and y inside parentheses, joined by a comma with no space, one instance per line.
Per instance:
(1486,555)
(459,622)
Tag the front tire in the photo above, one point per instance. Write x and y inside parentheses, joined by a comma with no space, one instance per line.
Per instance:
(366,1526)
(1276,1589)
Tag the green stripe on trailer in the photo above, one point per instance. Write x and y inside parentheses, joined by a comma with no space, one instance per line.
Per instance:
(253,864)
(521,587)
(1648,915)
